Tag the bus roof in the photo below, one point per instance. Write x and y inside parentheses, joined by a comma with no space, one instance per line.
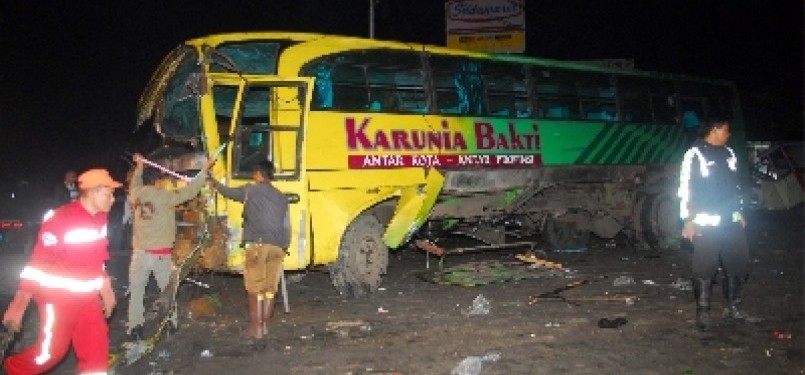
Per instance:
(336,43)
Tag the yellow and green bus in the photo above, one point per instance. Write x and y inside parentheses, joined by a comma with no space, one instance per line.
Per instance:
(381,144)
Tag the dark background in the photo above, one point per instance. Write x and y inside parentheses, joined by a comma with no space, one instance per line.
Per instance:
(72,71)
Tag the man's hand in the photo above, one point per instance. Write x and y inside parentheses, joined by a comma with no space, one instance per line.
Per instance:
(210,163)
(742,219)
(139,160)
(688,231)
(108,297)
(12,319)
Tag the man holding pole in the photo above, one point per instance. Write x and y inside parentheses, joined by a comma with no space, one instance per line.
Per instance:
(154,232)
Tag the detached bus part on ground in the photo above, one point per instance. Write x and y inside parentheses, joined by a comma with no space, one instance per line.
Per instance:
(778,179)
(380,144)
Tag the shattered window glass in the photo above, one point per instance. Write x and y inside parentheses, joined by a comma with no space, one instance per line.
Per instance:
(181,118)
(248,58)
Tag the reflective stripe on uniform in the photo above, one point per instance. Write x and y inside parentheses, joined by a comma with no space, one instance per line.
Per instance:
(684,178)
(49,239)
(60,282)
(50,320)
(704,219)
(732,161)
(84,235)
(685,174)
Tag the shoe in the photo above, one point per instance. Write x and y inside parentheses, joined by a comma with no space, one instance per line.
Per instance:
(734,313)
(136,333)
(703,322)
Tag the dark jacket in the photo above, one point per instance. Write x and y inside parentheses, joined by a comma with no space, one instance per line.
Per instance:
(709,182)
(61,195)
(266,216)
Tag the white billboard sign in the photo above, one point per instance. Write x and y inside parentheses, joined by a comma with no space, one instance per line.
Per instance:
(486,25)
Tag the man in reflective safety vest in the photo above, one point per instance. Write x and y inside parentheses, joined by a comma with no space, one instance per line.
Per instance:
(710,205)
(67,279)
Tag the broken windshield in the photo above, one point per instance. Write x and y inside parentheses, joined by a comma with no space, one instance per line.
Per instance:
(179,105)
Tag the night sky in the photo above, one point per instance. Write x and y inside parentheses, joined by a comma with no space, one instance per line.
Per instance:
(72,71)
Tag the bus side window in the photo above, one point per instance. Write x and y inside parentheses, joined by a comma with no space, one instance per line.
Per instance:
(458,85)
(323,88)
(368,81)
(690,119)
(506,94)
(557,95)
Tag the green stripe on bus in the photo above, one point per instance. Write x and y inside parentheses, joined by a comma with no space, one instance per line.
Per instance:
(582,159)
(607,144)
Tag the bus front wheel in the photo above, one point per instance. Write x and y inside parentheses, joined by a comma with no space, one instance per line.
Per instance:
(362,258)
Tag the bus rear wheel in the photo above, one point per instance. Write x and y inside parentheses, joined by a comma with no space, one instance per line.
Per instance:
(656,219)
(362,258)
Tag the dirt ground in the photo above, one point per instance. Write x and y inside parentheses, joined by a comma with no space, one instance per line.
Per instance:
(414,325)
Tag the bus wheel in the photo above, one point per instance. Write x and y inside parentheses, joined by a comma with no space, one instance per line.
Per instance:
(659,221)
(362,258)
(569,231)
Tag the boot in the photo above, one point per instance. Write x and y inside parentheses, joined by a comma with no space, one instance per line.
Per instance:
(255,317)
(701,290)
(268,311)
(731,287)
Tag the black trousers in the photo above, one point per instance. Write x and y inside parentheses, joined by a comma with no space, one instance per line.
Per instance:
(723,245)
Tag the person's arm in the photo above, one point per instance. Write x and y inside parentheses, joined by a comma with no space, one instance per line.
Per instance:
(178,196)
(12,318)
(137,177)
(108,298)
(43,253)
(238,193)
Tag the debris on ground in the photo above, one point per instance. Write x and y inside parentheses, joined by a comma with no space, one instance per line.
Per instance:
(480,306)
(530,258)
(204,307)
(682,284)
(556,294)
(343,328)
(623,280)
(614,323)
(487,272)
(472,365)
(571,250)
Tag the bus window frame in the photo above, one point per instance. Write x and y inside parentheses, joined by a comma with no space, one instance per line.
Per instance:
(304,107)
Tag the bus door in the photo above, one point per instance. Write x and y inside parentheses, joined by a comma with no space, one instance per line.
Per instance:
(270,124)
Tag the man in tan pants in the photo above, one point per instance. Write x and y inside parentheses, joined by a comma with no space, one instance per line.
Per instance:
(266,235)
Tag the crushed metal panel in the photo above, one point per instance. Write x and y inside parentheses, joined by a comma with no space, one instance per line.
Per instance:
(413,209)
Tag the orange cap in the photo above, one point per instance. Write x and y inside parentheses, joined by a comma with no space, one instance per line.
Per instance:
(96,177)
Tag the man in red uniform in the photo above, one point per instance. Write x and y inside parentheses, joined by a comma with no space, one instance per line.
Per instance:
(65,276)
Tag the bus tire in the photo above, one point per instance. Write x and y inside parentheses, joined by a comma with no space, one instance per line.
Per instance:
(566,233)
(362,258)
(656,217)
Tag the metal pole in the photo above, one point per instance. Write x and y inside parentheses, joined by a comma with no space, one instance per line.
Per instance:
(371,19)
(284,286)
